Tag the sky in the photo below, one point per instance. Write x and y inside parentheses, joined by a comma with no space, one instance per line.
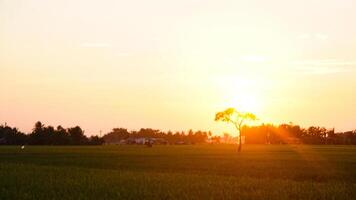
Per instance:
(172,65)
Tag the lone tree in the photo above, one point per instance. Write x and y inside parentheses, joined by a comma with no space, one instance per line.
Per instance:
(238,119)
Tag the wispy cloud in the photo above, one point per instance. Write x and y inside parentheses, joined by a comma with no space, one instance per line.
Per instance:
(304,36)
(327,66)
(254,58)
(95,45)
(311,36)
(321,36)
(122,54)
(322,70)
(325,62)
(246,59)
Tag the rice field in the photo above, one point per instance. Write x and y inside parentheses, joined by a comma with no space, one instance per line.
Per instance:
(178,172)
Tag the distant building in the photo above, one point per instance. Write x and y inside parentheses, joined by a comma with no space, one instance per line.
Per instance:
(140,141)
(292,140)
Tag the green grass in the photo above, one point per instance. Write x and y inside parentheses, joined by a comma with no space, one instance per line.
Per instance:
(178,172)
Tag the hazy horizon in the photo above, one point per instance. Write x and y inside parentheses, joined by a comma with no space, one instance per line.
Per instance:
(172,64)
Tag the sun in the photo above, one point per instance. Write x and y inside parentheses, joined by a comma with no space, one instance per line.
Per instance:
(245,103)
(242,95)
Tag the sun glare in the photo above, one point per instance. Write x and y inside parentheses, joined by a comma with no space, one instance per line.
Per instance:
(242,94)
(245,103)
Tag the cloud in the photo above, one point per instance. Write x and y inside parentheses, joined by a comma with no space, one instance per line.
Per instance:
(304,36)
(254,58)
(316,36)
(95,45)
(327,66)
(325,62)
(122,54)
(321,36)
(322,70)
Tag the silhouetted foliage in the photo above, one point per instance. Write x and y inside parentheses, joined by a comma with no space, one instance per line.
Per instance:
(290,133)
(47,135)
(95,140)
(237,118)
(118,135)
(11,136)
(77,137)
(262,134)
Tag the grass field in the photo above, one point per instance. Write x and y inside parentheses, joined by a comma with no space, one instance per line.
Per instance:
(178,172)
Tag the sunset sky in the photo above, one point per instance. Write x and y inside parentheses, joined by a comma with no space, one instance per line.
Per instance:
(172,64)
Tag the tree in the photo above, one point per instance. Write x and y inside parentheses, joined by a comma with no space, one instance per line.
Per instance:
(96,140)
(61,136)
(11,136)
(38,126)
(77,136)
(37,137)
(116,135)
(238,119)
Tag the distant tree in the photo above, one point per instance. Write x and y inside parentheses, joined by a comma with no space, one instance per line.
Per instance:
(96,140)
(169,137)
(38,126)
(215,139)
(116,135)
(38,137)
(210,133)
(262,134)
(200,137)
(11,136)
(77,136)
(61,136)
(191,137)
(238,119)
(148,132)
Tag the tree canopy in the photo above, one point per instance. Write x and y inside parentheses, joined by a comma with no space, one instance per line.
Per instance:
(238,119)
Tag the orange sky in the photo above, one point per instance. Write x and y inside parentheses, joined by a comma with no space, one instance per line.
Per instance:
(173,64)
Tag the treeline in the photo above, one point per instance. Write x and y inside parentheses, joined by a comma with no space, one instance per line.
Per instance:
(121,135)
(262,134)
(290,133)
(47,135)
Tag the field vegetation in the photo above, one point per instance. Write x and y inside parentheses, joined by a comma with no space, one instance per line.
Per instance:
(178,172)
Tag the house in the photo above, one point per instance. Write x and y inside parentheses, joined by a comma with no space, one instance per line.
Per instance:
(144,140)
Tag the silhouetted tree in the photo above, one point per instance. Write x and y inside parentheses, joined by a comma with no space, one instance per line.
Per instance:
(77,136)
(11,136)
(262,134)
(116,135)
(38,137)
(238,119)
(96,140)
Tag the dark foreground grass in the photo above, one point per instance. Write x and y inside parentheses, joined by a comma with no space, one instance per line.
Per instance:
(178,172)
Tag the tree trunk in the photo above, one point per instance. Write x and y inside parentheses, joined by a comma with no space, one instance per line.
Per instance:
(240,144)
